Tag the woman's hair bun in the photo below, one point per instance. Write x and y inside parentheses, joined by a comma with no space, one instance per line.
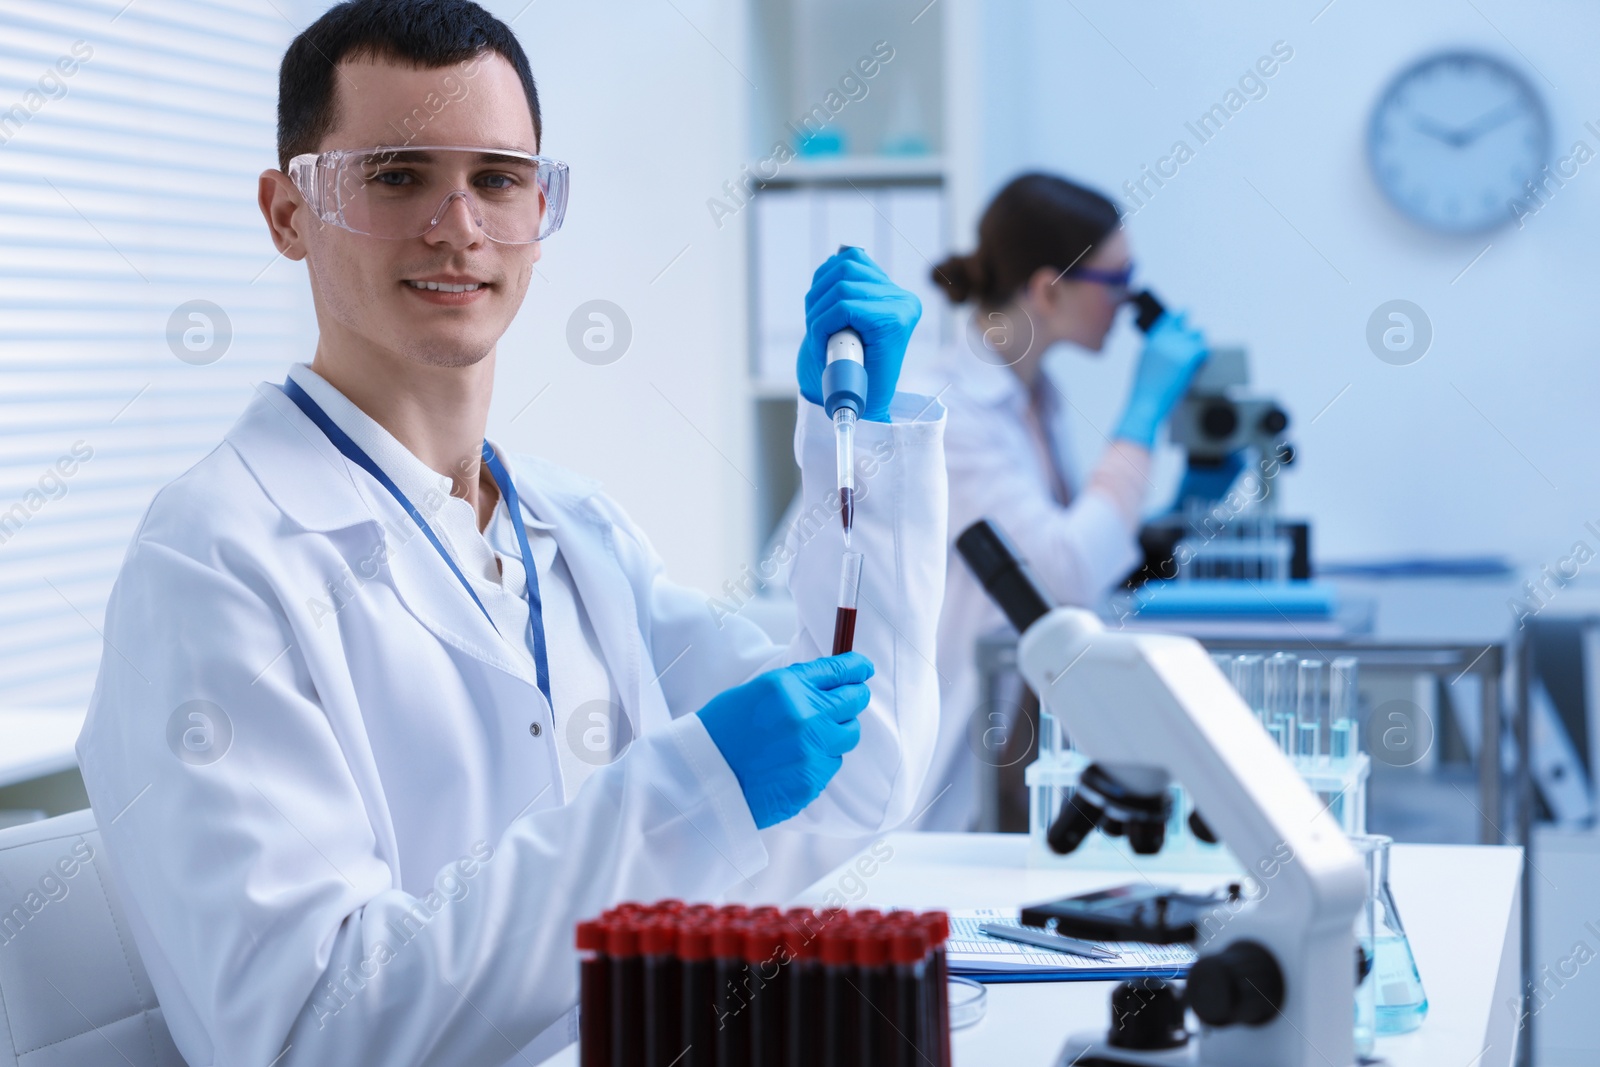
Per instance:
(961,278)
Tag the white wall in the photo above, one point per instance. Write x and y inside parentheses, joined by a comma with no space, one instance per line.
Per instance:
(651,118)
(1401,463)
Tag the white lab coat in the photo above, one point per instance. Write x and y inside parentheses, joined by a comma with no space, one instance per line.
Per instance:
(382,866)
(1078,551)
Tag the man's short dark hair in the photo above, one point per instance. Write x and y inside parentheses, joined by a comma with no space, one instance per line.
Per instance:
(423,33)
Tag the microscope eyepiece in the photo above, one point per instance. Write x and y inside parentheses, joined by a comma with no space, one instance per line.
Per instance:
(1147,309)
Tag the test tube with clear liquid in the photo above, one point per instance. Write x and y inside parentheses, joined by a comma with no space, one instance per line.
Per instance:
(1249,678)
(1343,740)
(1280,700)
(1310,712)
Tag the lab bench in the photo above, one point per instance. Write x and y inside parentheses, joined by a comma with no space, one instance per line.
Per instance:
(1462,906)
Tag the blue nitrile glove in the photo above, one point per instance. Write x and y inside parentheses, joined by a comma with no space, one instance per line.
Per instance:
(1172,353)
(1207,485)
(785,732)
(851,290)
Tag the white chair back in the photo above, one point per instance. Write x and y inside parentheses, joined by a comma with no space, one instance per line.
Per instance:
(73,989)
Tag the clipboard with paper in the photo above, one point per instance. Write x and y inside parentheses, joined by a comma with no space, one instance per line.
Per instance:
(977,955)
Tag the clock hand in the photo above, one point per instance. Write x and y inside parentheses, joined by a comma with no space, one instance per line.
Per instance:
(1498,117)
(1437,131)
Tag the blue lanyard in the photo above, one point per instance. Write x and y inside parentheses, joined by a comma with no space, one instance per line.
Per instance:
(354,453)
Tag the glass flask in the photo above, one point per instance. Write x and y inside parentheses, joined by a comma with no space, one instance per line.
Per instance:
(1400,1001)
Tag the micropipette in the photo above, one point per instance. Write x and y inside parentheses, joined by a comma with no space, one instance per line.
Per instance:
(844,398)
(844,391)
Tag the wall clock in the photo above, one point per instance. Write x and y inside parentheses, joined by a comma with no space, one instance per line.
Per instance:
(1455,139)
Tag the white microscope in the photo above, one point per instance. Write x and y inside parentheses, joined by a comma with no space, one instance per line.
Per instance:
(1276,987)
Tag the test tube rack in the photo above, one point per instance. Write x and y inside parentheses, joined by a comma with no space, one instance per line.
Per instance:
(1338,783)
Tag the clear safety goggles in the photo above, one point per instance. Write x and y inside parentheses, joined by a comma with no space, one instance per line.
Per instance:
(400,192)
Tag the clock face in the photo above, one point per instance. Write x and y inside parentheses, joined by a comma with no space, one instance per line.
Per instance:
(1455,139)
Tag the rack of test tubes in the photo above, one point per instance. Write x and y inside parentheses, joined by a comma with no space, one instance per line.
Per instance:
(1307,706)
(678,985)
(1256,548)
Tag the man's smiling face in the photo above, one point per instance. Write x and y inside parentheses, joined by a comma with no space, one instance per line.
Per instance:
(370,291)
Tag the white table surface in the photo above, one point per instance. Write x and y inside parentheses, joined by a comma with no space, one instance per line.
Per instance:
(1461,906)
(36,743)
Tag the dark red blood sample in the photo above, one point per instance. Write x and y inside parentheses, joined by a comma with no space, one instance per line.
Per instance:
(627,994)
(663,994)
(594,1017)
(844,630)
(847,508)
(699,1016)
(731,994)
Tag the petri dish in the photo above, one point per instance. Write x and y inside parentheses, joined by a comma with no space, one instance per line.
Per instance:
(968,1001)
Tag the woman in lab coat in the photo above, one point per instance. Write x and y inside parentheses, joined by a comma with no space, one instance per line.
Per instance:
(1052,267)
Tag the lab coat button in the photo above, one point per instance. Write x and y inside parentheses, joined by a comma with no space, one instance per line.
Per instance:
(535,729)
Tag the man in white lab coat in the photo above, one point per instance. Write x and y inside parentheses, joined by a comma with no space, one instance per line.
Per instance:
(340,748)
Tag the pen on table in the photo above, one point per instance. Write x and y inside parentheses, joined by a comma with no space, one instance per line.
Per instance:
(1046,939)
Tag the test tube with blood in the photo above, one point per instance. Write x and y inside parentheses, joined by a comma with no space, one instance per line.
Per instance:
(594,981)
(697,985)
(658,944)
(839,998)
(844,622)
(907,1034)
(872,986)
(766,956)
(732,993)
(627,992)
(800,939)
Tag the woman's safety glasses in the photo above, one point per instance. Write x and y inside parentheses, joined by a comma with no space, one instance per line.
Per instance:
(1115,279)
(397,193)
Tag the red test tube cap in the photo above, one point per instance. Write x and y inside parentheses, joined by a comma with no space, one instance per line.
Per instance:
(694,942)
(658,938)
(872,946)
(622,939)
(909,946)
(838,945)
(591,936)
(762,943)
(727,940)
(801,944)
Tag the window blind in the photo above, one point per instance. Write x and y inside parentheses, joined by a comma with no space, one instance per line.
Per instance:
(141,298)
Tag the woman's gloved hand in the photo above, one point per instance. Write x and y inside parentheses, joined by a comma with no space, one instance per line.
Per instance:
(785,732)
(851,290)
(1173,351)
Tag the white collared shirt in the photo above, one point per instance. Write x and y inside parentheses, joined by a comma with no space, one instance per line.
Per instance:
(589,722)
